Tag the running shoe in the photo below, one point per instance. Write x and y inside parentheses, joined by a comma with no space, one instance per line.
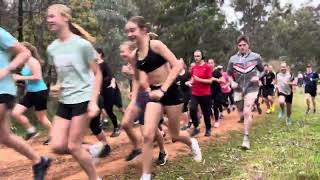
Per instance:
(46,142)
(105,151)
(116,132)
(195,131)
(30,136)
(241,119)
(288,121)
(308,110)
(272,108)
(259,110)
(134,153)
(162,159)
(228,109)
(40,169)
(96,149)
(246,142)
(268,111)
(216,124)
(196,151)
(185,127)
(281,114)
(208,133)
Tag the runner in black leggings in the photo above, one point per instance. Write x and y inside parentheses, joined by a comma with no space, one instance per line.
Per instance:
(108,92)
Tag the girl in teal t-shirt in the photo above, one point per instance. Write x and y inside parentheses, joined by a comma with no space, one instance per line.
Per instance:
(36,95)
(72,57)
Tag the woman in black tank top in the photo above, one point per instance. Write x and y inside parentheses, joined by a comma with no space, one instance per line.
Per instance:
(152,57)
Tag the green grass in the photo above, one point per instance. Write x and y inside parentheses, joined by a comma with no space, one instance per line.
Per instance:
(278,152)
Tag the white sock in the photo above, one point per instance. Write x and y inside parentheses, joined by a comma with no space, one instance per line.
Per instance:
(145,177)
(31,130)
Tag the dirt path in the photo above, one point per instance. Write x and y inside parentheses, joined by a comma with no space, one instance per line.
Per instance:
(16,167)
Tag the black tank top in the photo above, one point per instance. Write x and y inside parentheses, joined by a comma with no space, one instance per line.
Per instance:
(151,62)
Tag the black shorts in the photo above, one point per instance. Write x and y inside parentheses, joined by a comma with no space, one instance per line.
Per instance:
(38,100)
(68,111)
(311,91)
(7,99)
(288,98)
(267,91)
(172,97)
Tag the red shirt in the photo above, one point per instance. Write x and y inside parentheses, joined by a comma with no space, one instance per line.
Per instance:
(204,72)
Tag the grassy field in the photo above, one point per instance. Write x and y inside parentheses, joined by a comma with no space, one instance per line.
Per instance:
(278,152)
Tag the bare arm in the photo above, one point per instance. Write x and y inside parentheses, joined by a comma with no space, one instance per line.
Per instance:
(21,53)
(97,81)
(36,71)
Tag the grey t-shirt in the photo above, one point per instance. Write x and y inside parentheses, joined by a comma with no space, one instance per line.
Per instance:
(72,60)
(283,80)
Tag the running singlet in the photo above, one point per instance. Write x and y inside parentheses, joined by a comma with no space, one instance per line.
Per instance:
(215,86)
(204,72)
(151,62)
(7,85)
(310,80)
(267,79)
(72,59)
(33,86)
(283,80)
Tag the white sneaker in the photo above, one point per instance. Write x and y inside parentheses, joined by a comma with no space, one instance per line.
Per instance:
(246,142)
(196,151)
(96,149)
(216,124)
(146,177)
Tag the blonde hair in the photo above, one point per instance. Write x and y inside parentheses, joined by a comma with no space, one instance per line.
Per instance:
(74,28)
(33,50)
(132,45)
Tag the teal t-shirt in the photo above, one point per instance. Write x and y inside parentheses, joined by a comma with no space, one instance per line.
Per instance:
(7,84)
(33,85)
(72,59)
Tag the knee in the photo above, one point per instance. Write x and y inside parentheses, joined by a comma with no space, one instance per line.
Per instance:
(174,139)
(148,137)
(15,113)
(58,148)
(247,112)
(73,147)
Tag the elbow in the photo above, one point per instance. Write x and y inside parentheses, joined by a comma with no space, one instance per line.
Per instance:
(177,68)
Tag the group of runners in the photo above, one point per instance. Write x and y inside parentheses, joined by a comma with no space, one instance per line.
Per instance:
(164,93)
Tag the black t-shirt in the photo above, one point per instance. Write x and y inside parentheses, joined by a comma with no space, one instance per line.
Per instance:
(106,74)
(181,82)
(267,79)
(215,86)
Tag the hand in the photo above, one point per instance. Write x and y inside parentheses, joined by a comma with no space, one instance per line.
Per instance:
(125,69)
(55,90)
(130,95)
(156,94)
(93,109)
(196,78)
(4,72)
(188,83)
(254,79)
(234,85)
(16,77)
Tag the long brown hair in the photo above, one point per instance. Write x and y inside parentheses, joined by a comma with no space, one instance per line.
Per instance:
(34,51)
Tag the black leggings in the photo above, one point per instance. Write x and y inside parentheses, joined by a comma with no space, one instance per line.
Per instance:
(205,105)
(109,100)
(229,98)
(217,108)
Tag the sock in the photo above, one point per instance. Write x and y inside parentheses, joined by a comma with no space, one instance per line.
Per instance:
(31,130)
(146,177)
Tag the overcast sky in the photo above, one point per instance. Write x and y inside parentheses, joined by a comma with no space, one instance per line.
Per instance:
(232,16)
